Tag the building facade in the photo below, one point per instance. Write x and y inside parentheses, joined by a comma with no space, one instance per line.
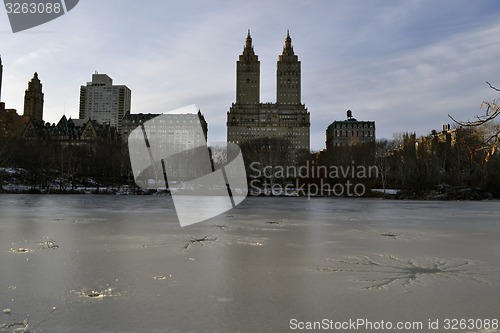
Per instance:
(167,135)
(104,102)
(132,121)
(350,132)
(288,119)
(70,132)
(11,124)
(180,129)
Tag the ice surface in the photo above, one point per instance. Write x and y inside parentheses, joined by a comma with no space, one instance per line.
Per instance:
(123,264)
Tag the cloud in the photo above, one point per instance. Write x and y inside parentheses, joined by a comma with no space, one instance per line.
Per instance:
(413,89)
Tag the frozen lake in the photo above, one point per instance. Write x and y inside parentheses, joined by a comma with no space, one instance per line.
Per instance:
(123,264)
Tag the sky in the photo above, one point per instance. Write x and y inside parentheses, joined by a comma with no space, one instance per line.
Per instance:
(404,64)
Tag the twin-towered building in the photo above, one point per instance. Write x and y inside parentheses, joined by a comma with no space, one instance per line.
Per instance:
(288,119)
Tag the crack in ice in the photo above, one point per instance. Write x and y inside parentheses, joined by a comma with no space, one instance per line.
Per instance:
(388,270)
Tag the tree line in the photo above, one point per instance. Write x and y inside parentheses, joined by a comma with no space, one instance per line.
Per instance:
(457,157)
(61,166)
(453,157)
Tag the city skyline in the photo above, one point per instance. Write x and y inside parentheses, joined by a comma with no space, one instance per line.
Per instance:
(404,65)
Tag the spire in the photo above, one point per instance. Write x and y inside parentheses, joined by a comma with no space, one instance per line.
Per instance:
(248,51)
(288,48)
(249,41)
(248,75)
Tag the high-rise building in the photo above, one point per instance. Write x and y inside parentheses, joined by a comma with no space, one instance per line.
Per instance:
(104,102)
(33,100)
(288,76)
(288,119)
(248,76)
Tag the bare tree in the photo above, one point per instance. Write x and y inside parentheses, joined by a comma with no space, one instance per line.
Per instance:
(486,121)
(383,148)
(267,155)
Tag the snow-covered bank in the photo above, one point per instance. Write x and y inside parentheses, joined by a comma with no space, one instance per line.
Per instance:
(17,180)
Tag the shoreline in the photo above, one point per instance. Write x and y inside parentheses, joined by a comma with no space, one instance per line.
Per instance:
(459,193)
